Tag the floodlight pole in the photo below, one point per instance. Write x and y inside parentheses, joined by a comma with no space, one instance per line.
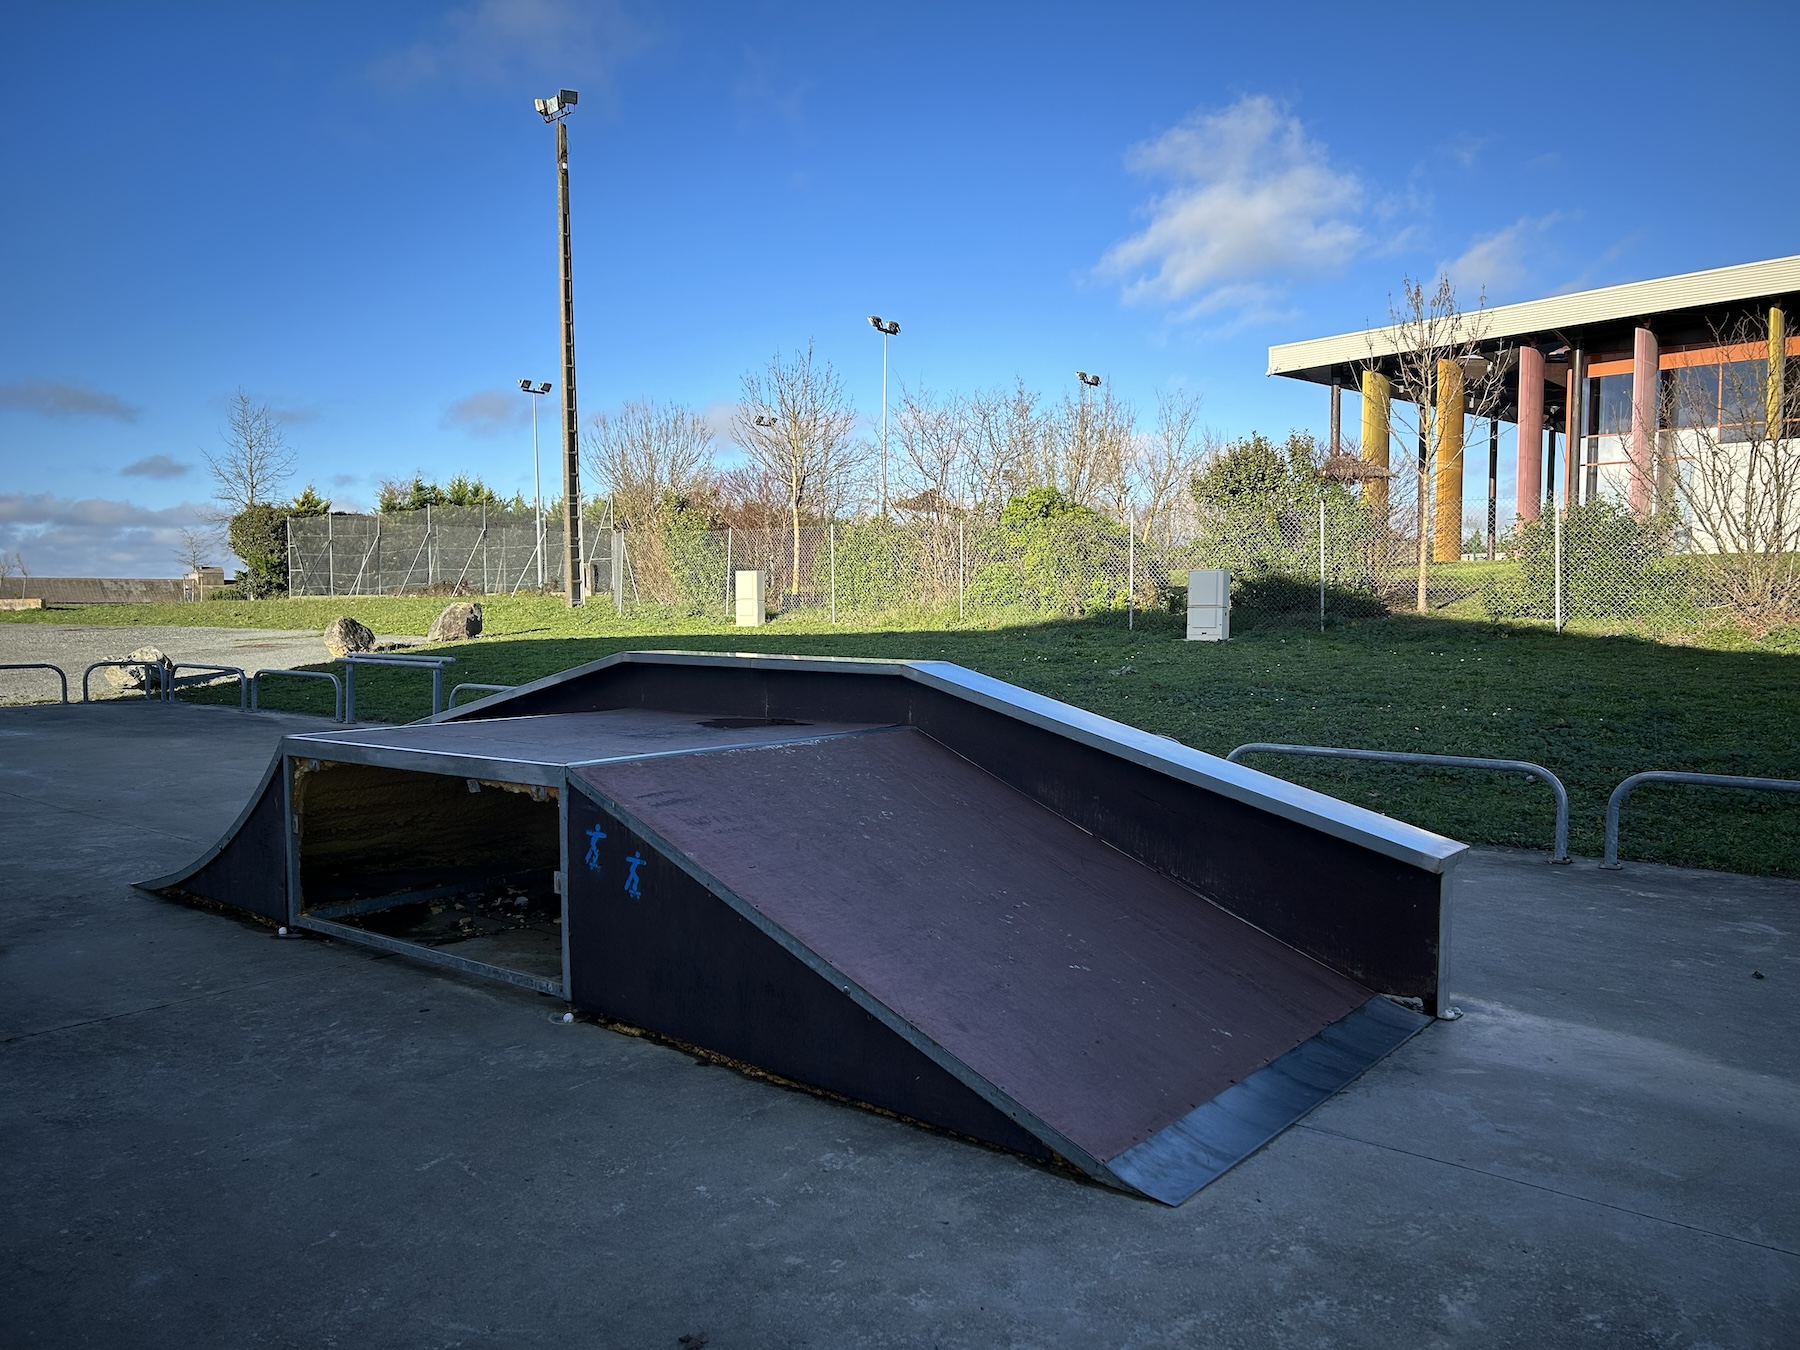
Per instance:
(571,426)
(537,478)
(887,328)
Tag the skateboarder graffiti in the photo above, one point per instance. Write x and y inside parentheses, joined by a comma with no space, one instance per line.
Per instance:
(634,862)
(594,836)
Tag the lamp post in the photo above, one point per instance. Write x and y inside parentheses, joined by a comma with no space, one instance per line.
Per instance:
(887,328)
(537,481)
(1087,382)
(553,110)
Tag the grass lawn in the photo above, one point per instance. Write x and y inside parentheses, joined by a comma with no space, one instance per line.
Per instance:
(1591,707)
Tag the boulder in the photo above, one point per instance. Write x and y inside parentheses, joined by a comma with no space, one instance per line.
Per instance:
(457,622)
(346,635)
(151,671)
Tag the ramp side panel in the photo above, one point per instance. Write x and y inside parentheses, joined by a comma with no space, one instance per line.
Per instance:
(675,959)
(1104,998)
(1375,918)
(247,868)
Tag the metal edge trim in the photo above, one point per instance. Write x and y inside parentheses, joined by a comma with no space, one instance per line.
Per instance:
(1184,1157)
(968,1077)
(534,773)
(431,956)
(1343,820)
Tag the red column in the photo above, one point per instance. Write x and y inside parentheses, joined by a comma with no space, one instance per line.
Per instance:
(1643,421)
(1528,495)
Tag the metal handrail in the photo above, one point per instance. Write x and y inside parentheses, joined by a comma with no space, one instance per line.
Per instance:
(435,664)
(491,688)
(40,665)
(1560,854)
(337,687)
(148,666)
(1613,803)
(175,667)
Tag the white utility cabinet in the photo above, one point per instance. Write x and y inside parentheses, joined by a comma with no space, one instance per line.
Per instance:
(1209,605)
(750,593)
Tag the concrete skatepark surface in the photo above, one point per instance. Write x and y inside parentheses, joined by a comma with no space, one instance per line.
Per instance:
(213,1136)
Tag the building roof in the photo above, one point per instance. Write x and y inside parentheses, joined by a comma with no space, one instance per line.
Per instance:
(1637,300)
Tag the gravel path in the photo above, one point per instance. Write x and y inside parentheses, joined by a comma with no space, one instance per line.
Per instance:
(74,647)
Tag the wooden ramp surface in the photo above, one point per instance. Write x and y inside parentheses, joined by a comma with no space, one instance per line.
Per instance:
(1106,999)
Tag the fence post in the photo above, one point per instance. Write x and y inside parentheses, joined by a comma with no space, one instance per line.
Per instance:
(291,555)
(330,556)
(832,537)
(430,550)
(1556,529)
(962,575)
(728,587)
(1131,572)
(1321,564)
(618,571)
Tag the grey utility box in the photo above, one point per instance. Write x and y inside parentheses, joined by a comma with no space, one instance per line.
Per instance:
(752,600)
(1209,605)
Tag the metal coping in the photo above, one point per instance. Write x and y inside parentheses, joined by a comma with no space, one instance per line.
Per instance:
(1342,820)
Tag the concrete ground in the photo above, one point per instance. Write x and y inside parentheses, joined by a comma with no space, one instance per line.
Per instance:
(211,1136)
(76,646)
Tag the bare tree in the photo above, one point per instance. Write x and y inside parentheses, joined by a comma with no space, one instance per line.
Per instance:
(794,422)
(13,564)
(648,456)
(1006,433)
(193,547)
(1728,464)
(1164,462)
(256,460)
(940,473)
(1443,365)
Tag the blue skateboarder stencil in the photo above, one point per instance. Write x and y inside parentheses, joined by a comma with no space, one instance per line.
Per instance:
(594,836)
(634,862)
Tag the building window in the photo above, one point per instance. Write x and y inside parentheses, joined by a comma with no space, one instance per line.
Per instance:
(1743,399)
(1609,405)
(1691,397)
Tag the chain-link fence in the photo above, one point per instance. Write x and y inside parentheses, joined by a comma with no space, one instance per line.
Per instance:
(1343,556)
(444,550)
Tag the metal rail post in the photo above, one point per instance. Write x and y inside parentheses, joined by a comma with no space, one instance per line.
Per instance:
(1725,780)
(1560,853)
(337,689)
(41,665)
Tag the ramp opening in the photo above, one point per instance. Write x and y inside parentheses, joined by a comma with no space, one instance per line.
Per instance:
(463,871)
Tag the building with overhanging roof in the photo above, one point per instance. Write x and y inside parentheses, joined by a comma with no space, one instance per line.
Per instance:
(1584,377)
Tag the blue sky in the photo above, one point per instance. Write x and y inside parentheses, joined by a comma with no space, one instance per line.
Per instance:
(349,211)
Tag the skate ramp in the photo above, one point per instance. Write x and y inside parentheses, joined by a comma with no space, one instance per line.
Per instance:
(904,884)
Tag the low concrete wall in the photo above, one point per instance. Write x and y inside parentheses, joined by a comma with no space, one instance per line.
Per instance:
(99,590)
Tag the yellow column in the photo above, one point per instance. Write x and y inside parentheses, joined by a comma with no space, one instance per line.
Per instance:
(1377,410)
(1446,532)
(1777,373)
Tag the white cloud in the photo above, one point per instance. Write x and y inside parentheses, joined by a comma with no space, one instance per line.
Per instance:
(1253,202)
(60,536)
(51,399)
(492,411)
(1498,262)
(156,466)
(501,42)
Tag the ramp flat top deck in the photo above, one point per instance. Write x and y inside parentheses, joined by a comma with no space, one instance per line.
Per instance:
(1103,997)
(555,739)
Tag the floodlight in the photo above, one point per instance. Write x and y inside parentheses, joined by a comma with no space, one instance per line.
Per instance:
(1091,381)
(875,321)
(542,105)
(544,388)
(525,385)
(567,97)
